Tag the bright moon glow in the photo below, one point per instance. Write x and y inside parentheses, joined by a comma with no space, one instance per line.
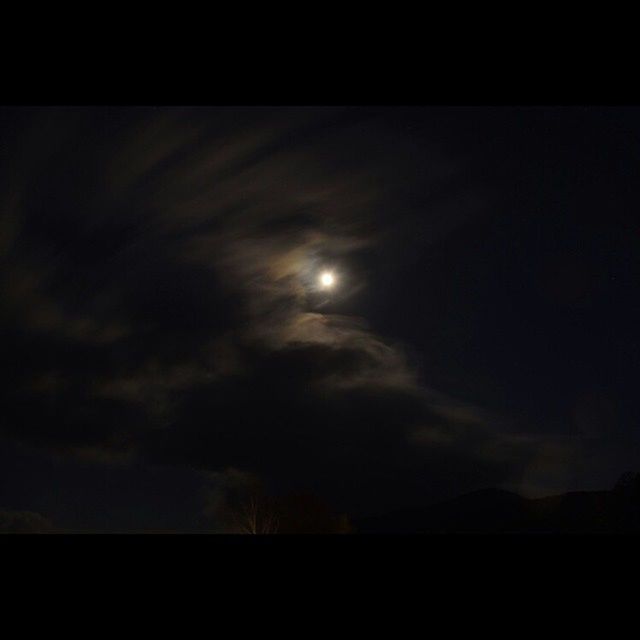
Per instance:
(327,279)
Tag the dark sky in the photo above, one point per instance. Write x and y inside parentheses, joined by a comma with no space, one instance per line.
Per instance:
(164,338)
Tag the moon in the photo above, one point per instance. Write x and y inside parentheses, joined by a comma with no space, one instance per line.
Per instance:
(327,280)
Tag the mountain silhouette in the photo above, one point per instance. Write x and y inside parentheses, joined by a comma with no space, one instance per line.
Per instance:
(500,511)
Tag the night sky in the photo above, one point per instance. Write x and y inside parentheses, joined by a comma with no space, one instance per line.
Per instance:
(166,339)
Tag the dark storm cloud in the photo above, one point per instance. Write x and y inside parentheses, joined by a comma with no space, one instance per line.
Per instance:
(285,418)
(158,299)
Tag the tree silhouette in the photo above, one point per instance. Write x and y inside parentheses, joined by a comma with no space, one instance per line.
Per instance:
(256,515)
(307,513)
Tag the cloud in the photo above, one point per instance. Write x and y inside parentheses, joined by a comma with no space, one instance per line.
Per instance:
(159,304)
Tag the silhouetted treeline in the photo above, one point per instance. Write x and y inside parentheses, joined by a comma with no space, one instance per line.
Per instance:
(290,514)
(484,511)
